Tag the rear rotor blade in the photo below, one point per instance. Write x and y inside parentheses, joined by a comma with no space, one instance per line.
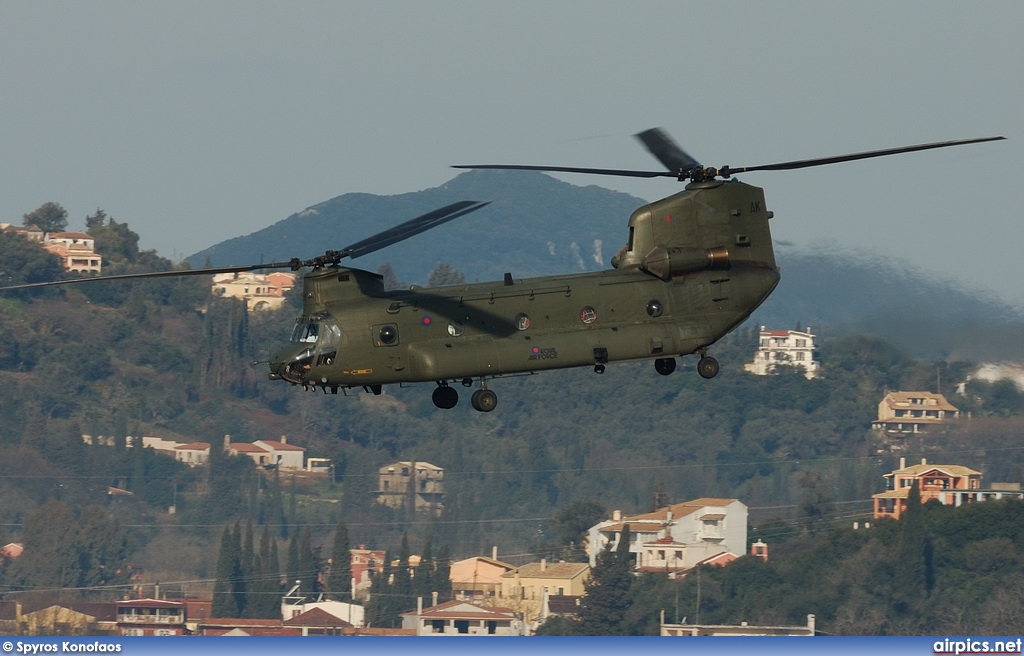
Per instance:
(667,151)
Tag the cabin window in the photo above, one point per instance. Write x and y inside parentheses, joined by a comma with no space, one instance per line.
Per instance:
(588,314)
(385,335)
(455,329)
(655,308)
(522,321)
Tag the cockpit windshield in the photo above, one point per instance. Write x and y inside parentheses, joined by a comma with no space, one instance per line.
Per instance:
(317,329)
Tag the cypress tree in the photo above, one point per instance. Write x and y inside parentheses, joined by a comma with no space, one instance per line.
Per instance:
(224,604)
(309,563)
(442,575)
(339,583)
(247,572)
(293,570)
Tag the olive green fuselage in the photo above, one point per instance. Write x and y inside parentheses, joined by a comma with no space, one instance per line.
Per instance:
(695,266)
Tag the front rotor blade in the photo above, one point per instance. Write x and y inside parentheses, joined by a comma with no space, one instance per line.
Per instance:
(159,274)
(804,163)
(570,169)
(667,151)
(412,227)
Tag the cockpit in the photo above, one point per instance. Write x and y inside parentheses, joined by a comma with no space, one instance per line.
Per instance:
(315,341)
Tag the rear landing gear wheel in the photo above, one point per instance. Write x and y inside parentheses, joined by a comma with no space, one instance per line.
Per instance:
(707,367)
(665,366)
(445,397)
(484,400)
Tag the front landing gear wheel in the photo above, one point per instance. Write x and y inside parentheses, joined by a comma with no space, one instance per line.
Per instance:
(484,400)
(665,366)
(445,397)
(707,367)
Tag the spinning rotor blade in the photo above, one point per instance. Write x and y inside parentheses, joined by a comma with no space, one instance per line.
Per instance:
(804,163)
(369,245)
(156,274)
(667,151)
(684,167)
(412,227)
(569,169)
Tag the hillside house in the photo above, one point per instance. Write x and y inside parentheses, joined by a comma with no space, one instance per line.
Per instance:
(913,412)
(525,588)
(478,578)
(318,622)
(950,485)
(294,605)
(150,617)
(76,250)
(698,530)
(461,618)
(29,232)
(783,347)
(260,291)
(930,481)
(420,481)
(268,453)
(282,454)
(193,454)
(365,563)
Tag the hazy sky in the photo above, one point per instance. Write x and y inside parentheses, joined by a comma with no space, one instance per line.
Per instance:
(197,121)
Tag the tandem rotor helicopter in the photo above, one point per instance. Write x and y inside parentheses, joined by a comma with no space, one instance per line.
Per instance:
(694,266)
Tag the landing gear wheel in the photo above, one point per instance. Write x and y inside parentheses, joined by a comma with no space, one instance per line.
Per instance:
(707,367)
(598,368)
(445,397)
(665,366)
(484,400)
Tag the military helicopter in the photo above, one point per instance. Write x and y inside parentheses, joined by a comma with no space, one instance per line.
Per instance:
(694,266)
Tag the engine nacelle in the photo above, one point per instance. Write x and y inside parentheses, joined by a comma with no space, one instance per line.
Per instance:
(666,262)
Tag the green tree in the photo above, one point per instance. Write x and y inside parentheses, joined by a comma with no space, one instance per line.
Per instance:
(391,281)
(445,274)
(229,563)
(24,262)
(570,525)
(49,217)
(339,582)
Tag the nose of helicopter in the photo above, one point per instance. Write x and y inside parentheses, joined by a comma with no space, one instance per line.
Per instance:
(292,363)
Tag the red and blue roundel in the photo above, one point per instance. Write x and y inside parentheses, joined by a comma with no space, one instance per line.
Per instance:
(426,321)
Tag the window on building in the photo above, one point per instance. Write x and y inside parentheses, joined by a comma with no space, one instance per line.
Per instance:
(462,626)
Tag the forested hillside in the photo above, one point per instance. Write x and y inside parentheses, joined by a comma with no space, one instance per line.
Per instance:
(163,358)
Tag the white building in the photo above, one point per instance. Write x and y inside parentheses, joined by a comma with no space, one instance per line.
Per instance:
(261,291)
(455,618)
(77,251)
(784,347)
(293,605)
(682,535)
